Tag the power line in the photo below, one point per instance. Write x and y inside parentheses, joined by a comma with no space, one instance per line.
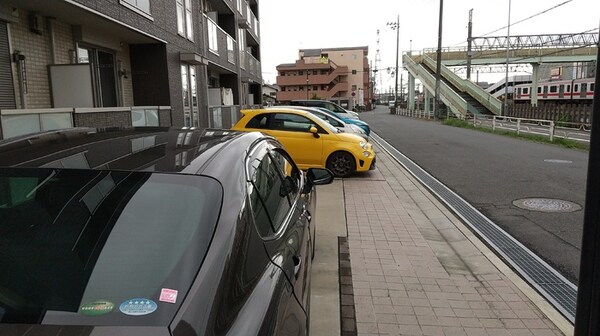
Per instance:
(520,21)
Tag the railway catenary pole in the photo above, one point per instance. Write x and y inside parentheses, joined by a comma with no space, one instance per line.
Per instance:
(587,316)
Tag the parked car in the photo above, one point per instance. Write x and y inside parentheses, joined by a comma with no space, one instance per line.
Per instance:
(332,119)
(335,108)
(363,125)
(154,231)
(311,141)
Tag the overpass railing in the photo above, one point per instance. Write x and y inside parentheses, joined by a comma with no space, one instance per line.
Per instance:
(486,99)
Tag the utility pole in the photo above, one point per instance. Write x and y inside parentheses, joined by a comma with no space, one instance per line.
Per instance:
(397,27)
(469,42)
(507,54)
(438,71)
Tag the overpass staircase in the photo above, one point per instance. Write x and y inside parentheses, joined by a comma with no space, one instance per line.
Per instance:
(462,96)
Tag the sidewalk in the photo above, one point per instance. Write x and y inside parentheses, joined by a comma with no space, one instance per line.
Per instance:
(417,270)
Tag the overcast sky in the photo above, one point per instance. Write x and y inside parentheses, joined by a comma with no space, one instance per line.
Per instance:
(287,26)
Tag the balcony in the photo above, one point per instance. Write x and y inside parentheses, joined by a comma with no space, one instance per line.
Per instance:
(221,45)
(323,94)
(313,79)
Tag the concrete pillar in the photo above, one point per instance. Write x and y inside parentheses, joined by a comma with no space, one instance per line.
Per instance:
(411,92)
(427,108)
(534,83)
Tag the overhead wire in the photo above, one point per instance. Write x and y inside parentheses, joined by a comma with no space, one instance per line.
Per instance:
(520,21)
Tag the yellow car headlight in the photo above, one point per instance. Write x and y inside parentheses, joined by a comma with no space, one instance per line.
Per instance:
(363,144)
(366,154)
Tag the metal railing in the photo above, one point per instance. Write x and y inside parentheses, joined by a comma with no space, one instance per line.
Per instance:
(549,128)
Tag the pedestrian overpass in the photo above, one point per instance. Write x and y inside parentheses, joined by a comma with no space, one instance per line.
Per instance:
(462,96)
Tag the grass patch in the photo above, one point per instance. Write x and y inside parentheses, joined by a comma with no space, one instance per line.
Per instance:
(566,143)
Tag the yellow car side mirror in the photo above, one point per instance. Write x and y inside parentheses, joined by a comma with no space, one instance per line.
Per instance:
(314,131)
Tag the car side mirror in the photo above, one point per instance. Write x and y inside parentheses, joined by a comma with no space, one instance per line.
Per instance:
(317,176)
(314,131)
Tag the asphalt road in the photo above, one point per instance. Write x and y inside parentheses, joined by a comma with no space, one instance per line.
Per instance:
(491,171)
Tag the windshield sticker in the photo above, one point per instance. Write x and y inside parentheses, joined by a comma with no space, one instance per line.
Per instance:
(98,307)
(168,295)
(138,307)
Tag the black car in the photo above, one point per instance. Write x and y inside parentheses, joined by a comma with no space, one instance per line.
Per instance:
(154,231)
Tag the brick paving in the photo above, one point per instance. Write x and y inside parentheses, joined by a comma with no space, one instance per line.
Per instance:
(415,273)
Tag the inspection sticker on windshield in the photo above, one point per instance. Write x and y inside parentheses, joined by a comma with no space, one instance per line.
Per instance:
(168,295)
(98,307)
(138,307)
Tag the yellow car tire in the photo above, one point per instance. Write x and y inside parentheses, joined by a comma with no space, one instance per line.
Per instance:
(341,164)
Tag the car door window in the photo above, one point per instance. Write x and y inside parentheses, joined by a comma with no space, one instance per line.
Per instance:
(269,197)
(290,175)
(259,121)
(291,122)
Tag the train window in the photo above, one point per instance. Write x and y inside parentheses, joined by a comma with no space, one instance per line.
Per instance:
(525,90)
(576,86)
(553,89)
(519,91)
(568,88)
(539,89)
(592,87)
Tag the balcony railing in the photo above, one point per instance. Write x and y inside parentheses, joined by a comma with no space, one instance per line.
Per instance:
(25,121)
(253,65)
(220,43)
(223,116)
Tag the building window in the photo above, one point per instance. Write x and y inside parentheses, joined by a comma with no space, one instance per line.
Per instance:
(184,18)
(143,5)
(300,73)
(230,50)
(190,95)
(315,87)
(353,87)
(213,41)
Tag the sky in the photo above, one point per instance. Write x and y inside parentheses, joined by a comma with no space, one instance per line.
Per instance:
(287,26)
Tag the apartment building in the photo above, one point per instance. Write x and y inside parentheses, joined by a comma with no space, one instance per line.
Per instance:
(105,63)
(337,74)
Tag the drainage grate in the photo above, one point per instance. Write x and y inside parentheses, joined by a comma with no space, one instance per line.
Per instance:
(559,291)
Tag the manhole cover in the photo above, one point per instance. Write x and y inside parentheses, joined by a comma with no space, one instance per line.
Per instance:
(546,205)
(558,161)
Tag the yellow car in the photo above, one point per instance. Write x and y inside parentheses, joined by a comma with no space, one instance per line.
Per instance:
(311,141)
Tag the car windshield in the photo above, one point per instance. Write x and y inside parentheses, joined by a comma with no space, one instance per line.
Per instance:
(77,244)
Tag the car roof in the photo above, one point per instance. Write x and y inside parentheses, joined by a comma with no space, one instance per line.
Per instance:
(313,109)
(155,149)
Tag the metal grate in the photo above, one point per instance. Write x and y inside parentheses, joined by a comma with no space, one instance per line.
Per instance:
(559,291)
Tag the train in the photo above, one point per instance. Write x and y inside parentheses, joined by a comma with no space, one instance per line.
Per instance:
(576,91)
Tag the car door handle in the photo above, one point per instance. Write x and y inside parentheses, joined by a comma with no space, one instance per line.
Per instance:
(306,214)
(297,263)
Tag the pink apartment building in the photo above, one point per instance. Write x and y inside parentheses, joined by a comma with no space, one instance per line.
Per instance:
(340,75)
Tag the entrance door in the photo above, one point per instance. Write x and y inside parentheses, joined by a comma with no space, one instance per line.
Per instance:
(190,95)
(104,74)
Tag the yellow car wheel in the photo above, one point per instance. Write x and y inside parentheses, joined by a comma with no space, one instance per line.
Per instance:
(342,164)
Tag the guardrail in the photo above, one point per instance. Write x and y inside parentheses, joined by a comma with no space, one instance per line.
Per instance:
(550,128)
(414,113)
